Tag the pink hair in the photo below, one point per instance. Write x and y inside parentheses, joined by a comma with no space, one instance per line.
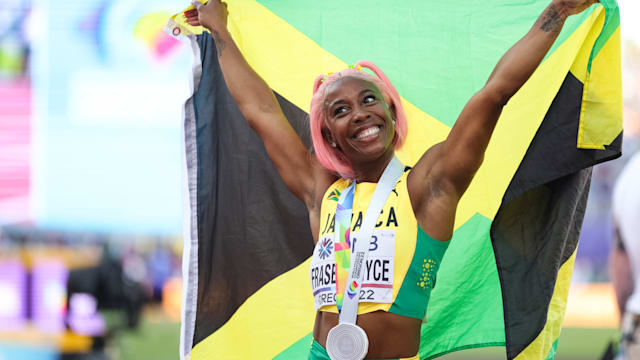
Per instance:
(332,158)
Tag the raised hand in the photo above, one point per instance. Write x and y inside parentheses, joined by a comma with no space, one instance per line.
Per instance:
(571,7)
(212,15)
(553,18)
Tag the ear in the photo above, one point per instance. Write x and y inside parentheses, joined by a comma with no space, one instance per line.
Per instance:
(328,137)
(392,110)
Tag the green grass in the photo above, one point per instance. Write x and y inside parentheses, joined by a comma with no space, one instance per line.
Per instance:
(158,338)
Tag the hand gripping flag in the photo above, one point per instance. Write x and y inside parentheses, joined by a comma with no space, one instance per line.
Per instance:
(505,278)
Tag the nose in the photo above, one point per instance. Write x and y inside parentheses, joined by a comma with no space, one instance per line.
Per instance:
(359,114)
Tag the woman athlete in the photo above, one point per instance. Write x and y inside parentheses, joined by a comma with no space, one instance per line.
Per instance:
(357,122)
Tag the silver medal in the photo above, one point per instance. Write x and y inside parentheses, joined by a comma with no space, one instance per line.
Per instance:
(347,342)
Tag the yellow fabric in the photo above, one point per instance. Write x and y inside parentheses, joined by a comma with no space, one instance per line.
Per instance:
(539,348)
(142,28)
(601,113)
(260,319)
(293,79)
(406,231)
(581,62)
(417,357)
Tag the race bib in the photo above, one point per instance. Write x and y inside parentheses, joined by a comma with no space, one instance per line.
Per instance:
(377,284)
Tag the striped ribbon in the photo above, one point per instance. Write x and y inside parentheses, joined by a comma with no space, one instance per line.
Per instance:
(342,251)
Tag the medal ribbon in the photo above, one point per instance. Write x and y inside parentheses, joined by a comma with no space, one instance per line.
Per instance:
(342,242)
(347,341)
(345,281)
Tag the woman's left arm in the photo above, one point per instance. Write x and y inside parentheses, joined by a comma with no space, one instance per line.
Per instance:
(448,168)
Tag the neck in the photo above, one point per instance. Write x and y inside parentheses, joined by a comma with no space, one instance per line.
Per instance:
(371,172)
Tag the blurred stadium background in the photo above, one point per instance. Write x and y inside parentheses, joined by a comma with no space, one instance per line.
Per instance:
(90,177)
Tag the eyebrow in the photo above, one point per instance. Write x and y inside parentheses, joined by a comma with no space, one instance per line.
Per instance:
(339,101)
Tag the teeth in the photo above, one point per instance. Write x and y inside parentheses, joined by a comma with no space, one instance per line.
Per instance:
(370,131)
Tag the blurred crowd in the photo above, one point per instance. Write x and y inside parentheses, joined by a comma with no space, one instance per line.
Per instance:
(59,283)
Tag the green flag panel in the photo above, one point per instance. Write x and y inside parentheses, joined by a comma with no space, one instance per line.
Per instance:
(459,40)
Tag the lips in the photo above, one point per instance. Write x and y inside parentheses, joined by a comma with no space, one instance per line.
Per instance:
(367,133)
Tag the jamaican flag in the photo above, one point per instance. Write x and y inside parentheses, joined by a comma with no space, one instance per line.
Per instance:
(505,278)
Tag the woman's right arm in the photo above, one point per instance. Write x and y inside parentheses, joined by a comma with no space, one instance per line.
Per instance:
(296,165)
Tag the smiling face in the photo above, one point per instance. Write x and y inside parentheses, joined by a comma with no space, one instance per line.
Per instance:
(358,120)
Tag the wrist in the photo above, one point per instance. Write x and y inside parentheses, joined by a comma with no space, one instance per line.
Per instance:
(212,22)
(220,31)
(222,38)
(553,18)
(212,26)
(561,8)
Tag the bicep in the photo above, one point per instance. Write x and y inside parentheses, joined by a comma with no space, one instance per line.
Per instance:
(434,201)
(465,146)
(424,183)
(444,172)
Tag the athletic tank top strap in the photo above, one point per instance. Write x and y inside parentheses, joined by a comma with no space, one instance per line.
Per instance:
(415,292)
